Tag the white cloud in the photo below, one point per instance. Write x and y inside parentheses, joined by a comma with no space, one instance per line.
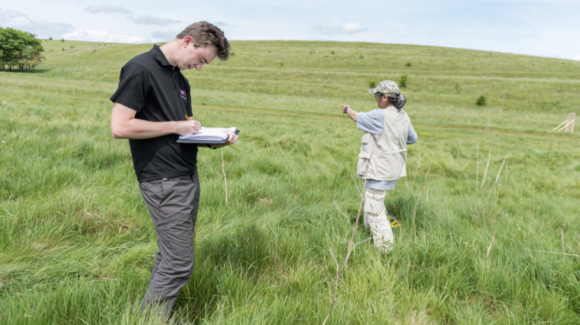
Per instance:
(150,20)
(220,24)
(108,10)
(577,57)
(42,28)
(144,20)
(164,36)
(347,29)
(103,36)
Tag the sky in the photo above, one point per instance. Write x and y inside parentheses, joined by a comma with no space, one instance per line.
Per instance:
(548,28)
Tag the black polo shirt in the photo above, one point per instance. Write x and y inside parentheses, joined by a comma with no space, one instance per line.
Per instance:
(159,93)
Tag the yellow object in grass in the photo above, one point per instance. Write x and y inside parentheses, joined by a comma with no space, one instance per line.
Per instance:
(393,221)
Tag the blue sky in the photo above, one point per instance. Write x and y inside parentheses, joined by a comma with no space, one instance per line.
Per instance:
(540,27)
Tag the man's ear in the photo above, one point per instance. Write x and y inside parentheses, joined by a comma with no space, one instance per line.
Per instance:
(188,40)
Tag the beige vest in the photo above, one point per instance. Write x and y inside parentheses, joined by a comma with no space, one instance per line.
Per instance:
(383,157)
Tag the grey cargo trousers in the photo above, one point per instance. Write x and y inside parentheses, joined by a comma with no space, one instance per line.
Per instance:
(173,204)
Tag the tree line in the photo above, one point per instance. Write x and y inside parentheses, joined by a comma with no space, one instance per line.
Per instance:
(19,49)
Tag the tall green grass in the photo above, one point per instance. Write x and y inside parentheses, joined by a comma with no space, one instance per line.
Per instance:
(77,243)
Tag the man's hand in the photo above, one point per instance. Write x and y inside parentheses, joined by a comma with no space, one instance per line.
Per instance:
(187,127)
(344,108)
(233,137)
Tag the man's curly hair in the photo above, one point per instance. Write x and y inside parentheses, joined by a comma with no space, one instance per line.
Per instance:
(205,34)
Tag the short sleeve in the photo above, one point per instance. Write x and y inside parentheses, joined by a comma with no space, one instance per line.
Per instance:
(133,87)
(188,108)
(371,122)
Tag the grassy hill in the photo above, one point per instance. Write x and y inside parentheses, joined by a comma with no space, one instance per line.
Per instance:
(77,244)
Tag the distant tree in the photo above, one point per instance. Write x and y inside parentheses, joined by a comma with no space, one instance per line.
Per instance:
(480,101)
(372,84)
(19,49)
(50,38)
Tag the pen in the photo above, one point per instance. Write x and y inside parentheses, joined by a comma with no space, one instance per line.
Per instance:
(187,117)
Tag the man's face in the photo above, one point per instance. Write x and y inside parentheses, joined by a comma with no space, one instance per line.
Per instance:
(192,57)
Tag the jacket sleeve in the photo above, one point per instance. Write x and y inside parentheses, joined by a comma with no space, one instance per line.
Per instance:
(412,137)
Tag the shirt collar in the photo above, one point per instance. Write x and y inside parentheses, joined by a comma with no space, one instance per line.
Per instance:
(159,56)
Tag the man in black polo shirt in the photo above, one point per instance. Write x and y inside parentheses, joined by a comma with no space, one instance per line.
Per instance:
(152,108)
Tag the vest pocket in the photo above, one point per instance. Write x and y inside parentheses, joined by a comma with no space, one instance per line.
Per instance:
(363,163)
(366,137)
(366,149)
(390,167)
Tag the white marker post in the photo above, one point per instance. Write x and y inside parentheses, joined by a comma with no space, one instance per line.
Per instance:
(570,124)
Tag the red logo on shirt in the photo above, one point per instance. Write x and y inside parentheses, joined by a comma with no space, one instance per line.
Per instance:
(183,94)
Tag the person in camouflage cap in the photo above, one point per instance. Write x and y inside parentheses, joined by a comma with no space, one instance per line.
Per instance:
(383,155)
(387,87)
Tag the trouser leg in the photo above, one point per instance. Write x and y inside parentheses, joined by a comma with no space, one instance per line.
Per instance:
(376,214)
(173,205)
(366,217)
(156,265)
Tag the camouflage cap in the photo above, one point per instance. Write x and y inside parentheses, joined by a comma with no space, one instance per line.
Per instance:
(387,87)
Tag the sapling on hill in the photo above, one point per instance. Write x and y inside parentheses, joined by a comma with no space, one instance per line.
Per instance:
(403,81)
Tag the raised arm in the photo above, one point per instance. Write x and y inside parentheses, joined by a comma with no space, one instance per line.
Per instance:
(124,125)
(349,111)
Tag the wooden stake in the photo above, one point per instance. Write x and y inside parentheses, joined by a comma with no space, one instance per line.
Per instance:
(419,198)
(417,170)
(499,173)
(491,243)
(565,125)
(563,231)
(477,170)
(570,124)
(486,167)
(559,126)
(350,248)
(225,178)
(351,244)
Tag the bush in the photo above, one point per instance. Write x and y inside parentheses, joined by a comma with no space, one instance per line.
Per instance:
(408,64)
(372,84)
(480,101)
(19,49)
(403,81)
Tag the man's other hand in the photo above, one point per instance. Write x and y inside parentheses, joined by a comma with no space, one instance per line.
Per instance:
(233,137)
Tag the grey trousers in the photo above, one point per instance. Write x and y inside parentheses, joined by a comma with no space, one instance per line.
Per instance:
(173,205)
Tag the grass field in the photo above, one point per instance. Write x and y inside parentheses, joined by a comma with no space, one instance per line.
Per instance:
(77,244)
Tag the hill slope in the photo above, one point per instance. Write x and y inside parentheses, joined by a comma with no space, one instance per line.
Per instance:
(77,244)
